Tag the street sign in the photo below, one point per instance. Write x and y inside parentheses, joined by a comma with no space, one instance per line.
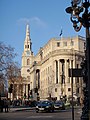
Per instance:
(75,72)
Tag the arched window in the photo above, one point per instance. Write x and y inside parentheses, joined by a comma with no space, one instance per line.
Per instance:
(28,62)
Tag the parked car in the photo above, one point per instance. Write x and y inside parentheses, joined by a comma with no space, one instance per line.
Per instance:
(67,104)
(46,106)
(59,105)
(16,103)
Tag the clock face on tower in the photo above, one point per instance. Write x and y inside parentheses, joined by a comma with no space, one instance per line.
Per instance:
(27,52)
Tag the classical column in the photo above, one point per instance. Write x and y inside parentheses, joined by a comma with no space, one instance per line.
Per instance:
(55,70)
(62,61)
(17,91)
(66,71)
(26,89)
(66,76)
(58,71)
(70,67)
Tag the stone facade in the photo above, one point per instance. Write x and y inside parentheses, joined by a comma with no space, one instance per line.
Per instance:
(47,71)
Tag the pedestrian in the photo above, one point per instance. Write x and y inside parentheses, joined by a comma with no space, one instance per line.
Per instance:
(6,105)
(1,105)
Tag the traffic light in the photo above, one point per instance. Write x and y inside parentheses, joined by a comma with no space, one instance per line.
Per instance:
(84,68)
(10,88)
(36,90)
(30,92)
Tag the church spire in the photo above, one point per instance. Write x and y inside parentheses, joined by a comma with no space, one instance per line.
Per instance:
(27,43)
(27,32)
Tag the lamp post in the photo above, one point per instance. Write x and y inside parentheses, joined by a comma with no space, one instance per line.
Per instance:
(72,88)
(80,16)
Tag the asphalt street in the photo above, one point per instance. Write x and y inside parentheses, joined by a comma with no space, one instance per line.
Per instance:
(30,114)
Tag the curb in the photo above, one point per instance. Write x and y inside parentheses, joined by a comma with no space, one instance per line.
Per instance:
(20,109)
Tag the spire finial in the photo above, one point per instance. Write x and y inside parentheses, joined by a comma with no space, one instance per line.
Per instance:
(27,32)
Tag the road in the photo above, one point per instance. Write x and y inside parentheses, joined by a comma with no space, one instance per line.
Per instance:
(32,115)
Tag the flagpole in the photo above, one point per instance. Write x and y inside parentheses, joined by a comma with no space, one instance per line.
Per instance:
(61,32)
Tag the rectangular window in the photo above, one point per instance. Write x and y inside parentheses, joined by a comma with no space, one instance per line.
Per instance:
(84,45)
(55,89)
(58,44)
(69,89)
(26,46)
(77,90)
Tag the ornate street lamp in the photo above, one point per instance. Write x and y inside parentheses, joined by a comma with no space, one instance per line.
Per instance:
(80,16)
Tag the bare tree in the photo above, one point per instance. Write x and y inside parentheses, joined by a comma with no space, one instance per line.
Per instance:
(6,57)
(14,77)
(10,73)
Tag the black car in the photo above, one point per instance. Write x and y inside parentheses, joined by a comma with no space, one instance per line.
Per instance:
(59,105)
(16,103)
(46,106)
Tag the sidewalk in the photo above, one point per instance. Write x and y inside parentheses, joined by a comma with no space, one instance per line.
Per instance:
(13,109)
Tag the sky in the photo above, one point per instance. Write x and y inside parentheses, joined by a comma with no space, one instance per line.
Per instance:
(45,17)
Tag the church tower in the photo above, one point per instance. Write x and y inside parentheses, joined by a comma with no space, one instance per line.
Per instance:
(27,57)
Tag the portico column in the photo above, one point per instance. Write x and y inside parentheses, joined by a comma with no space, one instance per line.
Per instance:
(58,71)
(17,90)
(55,70)
(70,67)
(26,89)
(30,85)
(66,76)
